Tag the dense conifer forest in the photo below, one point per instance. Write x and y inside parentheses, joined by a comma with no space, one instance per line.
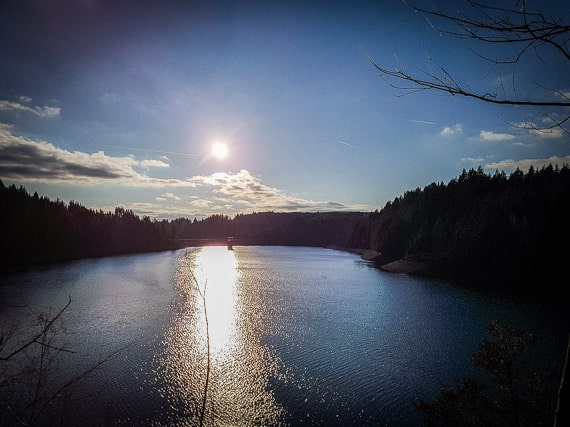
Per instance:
(483,229)
(496,230)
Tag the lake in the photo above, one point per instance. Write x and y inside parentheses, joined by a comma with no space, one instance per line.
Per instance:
(254,336)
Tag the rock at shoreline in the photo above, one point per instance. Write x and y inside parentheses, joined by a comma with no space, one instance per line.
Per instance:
(370,255)
(403,266)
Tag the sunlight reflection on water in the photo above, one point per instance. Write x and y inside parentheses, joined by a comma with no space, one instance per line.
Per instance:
(216,274)
(237,392)
(299,336)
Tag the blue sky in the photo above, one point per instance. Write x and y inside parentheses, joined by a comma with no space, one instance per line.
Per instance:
(114,103)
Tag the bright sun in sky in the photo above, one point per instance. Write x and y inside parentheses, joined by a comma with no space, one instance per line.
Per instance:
(219,150)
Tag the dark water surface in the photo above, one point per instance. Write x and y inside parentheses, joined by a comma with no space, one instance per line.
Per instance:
(291,336)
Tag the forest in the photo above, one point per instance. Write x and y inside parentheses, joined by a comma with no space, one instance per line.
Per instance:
(504,231)
(496,230)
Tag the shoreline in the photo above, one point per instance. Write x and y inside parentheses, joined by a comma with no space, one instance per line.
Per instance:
(365,254)
(416,268)
(399,266)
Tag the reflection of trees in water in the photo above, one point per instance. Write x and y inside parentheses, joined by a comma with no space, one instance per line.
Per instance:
(216,372)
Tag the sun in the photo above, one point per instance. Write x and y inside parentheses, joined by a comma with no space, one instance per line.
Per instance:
(219,150)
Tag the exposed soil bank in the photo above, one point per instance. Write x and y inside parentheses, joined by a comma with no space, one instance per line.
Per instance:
(400,266)
(403,266)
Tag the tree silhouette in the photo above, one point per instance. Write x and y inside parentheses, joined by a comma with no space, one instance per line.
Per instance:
(32,386)
(514,394)
(524,30)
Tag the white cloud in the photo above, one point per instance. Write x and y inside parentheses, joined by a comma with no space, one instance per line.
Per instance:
(525,164)
(25,160)
(223,193)
(242,192)
(202,204)
(153,164)
(555,132)
(495,137)
(45,111)
(547,130)
(450,131)
(169,196)
(472,160)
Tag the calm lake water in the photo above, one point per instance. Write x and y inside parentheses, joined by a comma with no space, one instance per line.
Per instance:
(291,336)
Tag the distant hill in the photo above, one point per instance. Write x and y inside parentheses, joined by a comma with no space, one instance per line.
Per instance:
(286,229)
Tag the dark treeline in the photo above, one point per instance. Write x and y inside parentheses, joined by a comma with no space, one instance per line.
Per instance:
(498,230)
(36,230)
(479,228)
(271,228)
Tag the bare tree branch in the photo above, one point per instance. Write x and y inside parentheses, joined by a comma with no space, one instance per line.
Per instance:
(444,82)
(38,374)
(75,380)
(529,31)
(37,339)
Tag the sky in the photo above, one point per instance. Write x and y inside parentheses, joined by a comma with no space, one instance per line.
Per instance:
(119,103)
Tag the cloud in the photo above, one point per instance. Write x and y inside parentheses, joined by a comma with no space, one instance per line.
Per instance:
(45,111)
(25,160)
(472,160)
(525,164)
(153,164)
(201,204)
(548,133)
(425,122)
(549,129)
(168,196)
(495,137)
(230,194)
(242,192)
(450,131)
